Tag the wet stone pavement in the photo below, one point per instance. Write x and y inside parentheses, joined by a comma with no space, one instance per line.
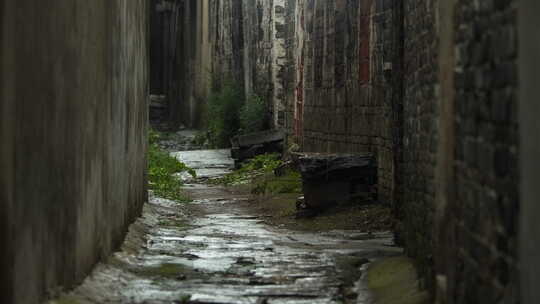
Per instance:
(212,251)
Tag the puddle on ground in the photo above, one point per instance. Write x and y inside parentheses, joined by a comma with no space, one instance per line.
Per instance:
(212,252)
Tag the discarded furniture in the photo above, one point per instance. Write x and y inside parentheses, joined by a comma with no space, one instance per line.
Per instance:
(247,146)
(332,179)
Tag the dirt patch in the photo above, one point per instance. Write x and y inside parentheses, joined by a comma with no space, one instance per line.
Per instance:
(273,197)
(280,210)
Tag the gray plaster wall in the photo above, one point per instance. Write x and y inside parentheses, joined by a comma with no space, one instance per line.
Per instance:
(529,65)
(73,91)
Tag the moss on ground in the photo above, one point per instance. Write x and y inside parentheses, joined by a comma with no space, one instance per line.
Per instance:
(348,266)
(395,281)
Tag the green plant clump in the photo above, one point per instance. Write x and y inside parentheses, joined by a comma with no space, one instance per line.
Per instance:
(228,114)
(265,163)
(290,182)
(161,170)
(253,115)
(223,114)
(154,136)
(260,165)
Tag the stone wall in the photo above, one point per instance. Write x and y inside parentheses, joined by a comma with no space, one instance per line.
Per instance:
(72,138)
(343,100)
(486,206)
(460,169)
(420,134)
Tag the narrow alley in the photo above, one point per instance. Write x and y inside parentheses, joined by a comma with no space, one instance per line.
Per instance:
(269,151)
(214,251)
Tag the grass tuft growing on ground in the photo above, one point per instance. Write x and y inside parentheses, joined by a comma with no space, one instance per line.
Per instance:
(155,136)
(256,167)
(268,184)
(162,169)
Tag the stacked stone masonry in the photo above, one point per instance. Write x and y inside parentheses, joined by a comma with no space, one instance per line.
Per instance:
(486,154)
(420,134)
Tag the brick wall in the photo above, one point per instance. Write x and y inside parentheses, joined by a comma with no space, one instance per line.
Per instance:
(343,102)
(416,206)
(486,206)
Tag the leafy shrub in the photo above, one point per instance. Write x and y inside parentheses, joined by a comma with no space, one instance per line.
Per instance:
(227,115)
(161,170)
(265,162)
(153,136)
(253,115)
(223,114)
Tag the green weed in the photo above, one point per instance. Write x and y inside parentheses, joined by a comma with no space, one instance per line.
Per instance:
(223,114)
(253,115)
(259,173)
(161,170)
(290,182)
(185,299)
(228,113)
(154,136)
(260,165)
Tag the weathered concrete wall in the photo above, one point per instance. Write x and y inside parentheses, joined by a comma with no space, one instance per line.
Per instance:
(529,65)
(195,61)
(181,61)
(243,50)
(72,137)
